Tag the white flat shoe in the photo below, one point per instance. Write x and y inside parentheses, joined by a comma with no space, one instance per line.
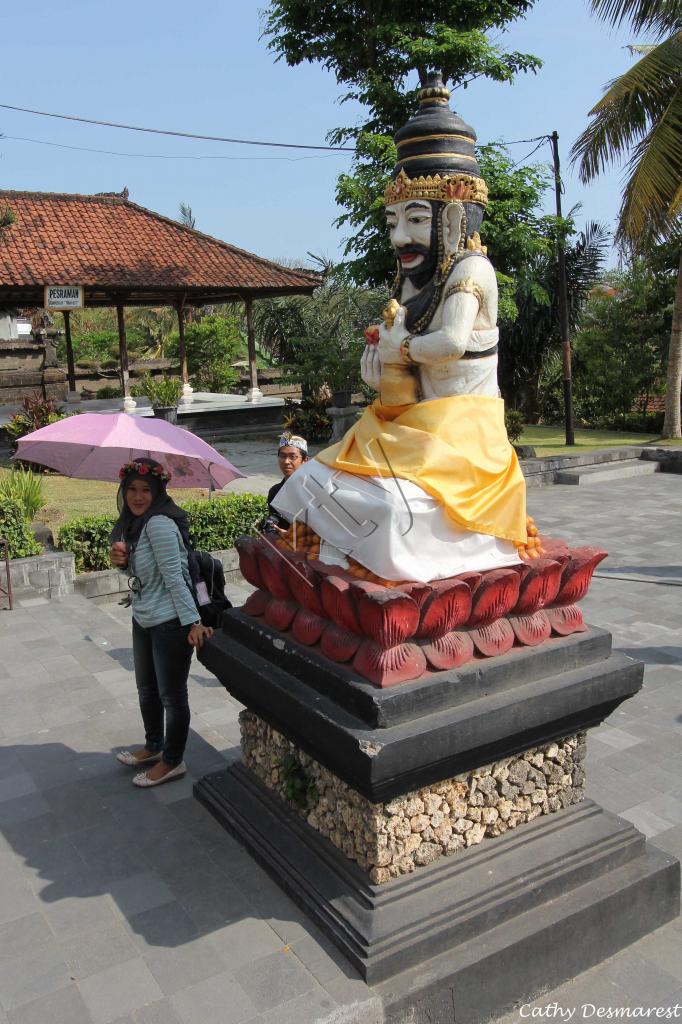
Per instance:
(144,782)
(127,758)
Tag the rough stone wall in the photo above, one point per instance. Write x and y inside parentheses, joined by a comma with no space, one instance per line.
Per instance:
(394,838)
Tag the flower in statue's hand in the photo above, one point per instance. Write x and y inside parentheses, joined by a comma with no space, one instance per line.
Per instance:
(372,335)
(390,339)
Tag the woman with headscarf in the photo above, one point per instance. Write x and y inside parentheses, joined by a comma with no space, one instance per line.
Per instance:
(151,539)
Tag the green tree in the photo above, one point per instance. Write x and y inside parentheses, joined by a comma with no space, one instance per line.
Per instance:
(640,118)
(213,344)
(321,336)
(534,334)
(374,47)
(620,349)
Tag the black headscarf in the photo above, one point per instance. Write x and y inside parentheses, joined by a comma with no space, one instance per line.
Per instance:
(129,527)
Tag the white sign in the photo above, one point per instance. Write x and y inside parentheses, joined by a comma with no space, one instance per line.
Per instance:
(63,296)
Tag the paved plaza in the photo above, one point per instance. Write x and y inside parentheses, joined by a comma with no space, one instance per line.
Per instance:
(126,906)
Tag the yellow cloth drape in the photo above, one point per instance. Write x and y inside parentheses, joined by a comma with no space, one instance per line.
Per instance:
(456,449)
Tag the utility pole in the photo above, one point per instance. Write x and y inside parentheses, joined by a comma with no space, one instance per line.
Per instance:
(563,300)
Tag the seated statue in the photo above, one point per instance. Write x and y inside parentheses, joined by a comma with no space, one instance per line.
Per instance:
(426,484)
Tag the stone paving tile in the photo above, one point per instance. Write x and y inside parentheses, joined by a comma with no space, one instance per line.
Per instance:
(243,941)
(305,1009)
(119,990)
(206,1002)
(33,976)
(175,969)
(140,892)
(159,1012)
(17,900)
(275,979)
(63,1007)
(70,916)
(167,926)
(24,935)
(95,950)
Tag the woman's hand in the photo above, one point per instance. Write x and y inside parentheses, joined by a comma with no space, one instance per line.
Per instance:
(370,367)
(198,634)
(390,339)
(118,554)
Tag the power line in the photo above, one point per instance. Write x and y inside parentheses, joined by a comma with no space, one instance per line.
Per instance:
(159,156)
(206,138)
(177,134)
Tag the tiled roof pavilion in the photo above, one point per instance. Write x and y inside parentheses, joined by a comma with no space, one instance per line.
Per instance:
(125,255)
(114,247)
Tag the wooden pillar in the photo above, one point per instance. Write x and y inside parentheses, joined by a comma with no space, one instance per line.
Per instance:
(123,351)
(70,368)
(180,306)
(254,391)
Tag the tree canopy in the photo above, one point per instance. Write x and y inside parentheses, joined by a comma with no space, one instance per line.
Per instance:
(639,119)
(374,47)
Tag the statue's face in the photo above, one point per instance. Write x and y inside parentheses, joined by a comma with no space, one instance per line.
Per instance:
(410,231)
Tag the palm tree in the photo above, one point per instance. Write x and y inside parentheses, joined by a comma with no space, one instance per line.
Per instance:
(640,117)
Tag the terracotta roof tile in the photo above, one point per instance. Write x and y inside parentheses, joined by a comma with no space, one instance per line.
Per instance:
(108,241)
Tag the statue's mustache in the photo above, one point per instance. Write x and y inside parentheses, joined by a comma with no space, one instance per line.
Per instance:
(416,248)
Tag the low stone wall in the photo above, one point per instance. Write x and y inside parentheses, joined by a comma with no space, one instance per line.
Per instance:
(394,838)
(111,582)
(51,574)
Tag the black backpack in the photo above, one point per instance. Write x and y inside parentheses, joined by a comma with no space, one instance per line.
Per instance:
(207,570)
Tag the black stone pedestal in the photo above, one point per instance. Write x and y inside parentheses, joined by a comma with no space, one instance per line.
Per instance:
(468,936)
(478,931)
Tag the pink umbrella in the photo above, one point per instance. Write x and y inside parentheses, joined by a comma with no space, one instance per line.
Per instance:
(94,446)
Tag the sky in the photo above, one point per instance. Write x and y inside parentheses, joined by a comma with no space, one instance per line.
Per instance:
(203,68)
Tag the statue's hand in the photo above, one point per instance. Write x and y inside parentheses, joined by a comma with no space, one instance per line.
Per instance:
(391,339)
(370,367)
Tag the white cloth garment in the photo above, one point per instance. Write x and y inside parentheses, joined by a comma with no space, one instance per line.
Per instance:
(390,526)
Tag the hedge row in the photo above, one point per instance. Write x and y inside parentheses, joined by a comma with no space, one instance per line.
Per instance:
(213,526)
(16,530)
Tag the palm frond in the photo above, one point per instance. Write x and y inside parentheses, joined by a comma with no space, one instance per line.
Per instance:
(653,194)
(624,115)
(658,16)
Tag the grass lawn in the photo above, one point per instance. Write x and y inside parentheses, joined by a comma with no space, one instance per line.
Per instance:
(551,440)
(67,498)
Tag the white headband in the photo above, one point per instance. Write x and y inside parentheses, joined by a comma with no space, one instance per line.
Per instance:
(293,441)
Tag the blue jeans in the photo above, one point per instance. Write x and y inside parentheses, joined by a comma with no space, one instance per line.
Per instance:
(162,658)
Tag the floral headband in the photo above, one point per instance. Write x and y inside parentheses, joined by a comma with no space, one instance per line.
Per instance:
(143,469)
(293,441)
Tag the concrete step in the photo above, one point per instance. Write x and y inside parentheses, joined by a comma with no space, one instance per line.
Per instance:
(606,471)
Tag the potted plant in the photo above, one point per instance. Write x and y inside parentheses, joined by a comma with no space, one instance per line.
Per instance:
(164,393)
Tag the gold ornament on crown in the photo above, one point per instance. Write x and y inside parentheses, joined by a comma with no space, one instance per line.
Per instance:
(466,188)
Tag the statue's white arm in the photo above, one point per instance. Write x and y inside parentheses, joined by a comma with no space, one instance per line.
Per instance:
(461,312)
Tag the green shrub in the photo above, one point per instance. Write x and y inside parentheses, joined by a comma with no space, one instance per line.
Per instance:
(108,391)
(634,422)
(308,418)
(16,530)
(219,378)
(513,421)
(213,525)
(88,538)
(26,488)
(162,392)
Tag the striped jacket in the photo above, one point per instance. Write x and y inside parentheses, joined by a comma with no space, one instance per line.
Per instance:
(159,561)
